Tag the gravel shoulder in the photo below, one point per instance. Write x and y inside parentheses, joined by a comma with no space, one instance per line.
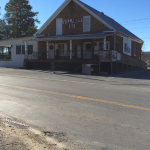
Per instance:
(17,136)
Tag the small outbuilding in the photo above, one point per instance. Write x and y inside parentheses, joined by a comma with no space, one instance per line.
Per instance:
(12,51)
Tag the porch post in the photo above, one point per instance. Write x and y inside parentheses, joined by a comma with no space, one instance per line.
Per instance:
(26,50)
(70,49)
(47,50)
(105,46)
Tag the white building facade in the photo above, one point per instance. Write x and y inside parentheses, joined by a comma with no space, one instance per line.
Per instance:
(12,51)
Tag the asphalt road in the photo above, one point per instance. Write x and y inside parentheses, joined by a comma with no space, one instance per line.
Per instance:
(101,112)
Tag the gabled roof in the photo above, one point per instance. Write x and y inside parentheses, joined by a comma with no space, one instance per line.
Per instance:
(115,25)
(109,22)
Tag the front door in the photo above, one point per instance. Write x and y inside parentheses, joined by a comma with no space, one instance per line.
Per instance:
(87,50)
(51,51)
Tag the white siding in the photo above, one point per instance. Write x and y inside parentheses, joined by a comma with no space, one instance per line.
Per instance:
(17,59)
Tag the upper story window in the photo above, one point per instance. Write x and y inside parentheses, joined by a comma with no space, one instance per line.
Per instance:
(86,23)
(59,23)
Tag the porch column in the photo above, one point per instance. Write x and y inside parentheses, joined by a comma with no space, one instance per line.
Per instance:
(47,50)
(26,50)
(70,49)
(105,46)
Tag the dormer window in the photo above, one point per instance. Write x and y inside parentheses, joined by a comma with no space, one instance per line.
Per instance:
(86,24)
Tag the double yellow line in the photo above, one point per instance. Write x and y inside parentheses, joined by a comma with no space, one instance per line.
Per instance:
(78,97)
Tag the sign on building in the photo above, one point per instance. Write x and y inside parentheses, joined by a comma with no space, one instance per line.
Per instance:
(72,26)
(127,46)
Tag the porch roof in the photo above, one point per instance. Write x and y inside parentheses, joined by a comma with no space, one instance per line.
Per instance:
(70,37)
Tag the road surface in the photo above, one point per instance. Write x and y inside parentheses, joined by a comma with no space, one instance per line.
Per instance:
(99,112)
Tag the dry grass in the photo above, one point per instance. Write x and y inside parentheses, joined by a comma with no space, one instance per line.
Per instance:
(148,67)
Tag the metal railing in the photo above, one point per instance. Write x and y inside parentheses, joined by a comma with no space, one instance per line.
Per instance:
(48,55)
(102,55)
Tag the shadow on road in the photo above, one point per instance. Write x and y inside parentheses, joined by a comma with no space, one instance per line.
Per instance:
(138,74)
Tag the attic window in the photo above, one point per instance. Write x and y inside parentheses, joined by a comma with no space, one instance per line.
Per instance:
(86,23)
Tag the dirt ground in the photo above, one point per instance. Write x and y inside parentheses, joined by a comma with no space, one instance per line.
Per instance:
(16,136)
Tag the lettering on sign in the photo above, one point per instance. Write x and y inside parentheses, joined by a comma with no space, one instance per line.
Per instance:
(72,26)
(72,21)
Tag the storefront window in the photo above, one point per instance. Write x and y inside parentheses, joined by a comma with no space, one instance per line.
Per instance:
(5,53)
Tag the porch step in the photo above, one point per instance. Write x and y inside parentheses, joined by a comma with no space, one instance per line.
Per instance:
(79,67)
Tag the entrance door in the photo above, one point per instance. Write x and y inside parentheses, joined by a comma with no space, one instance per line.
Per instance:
(51,51)
(87,50)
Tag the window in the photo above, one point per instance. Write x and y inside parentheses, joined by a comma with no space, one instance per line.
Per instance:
(23,49)
(134,49)
(5,53)
(18,49)
(30,49)
(59,26)
(61,49)
(86,23)
(101,45)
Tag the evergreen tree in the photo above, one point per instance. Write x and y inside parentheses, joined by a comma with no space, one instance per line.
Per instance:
(20,18)
(4,30)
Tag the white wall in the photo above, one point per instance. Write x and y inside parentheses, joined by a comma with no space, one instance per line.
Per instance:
(17,59)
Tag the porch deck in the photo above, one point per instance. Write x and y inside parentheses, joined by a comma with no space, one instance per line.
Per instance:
(108,60)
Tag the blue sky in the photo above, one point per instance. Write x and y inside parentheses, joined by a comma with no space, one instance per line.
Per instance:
(132,14)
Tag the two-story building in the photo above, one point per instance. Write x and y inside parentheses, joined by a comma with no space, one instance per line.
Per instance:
(78,34)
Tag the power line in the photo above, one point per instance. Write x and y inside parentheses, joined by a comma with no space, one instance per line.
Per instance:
(135,20)
(146,38)
(140,28)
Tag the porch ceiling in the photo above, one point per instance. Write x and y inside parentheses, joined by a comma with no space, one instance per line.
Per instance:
(71,37)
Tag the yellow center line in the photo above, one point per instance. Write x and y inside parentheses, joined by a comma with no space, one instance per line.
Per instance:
(78,97)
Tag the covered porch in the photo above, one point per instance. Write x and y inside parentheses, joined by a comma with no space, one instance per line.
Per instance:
(70,52)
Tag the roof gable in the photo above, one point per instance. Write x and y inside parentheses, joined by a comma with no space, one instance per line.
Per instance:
(66,2)
(115,25)
(109,22)
(61,8)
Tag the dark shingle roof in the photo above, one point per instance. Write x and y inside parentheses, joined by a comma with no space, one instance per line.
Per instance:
(110,21)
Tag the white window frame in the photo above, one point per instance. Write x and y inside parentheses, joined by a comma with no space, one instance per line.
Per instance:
(89,24)
(21,49)
(61,27)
